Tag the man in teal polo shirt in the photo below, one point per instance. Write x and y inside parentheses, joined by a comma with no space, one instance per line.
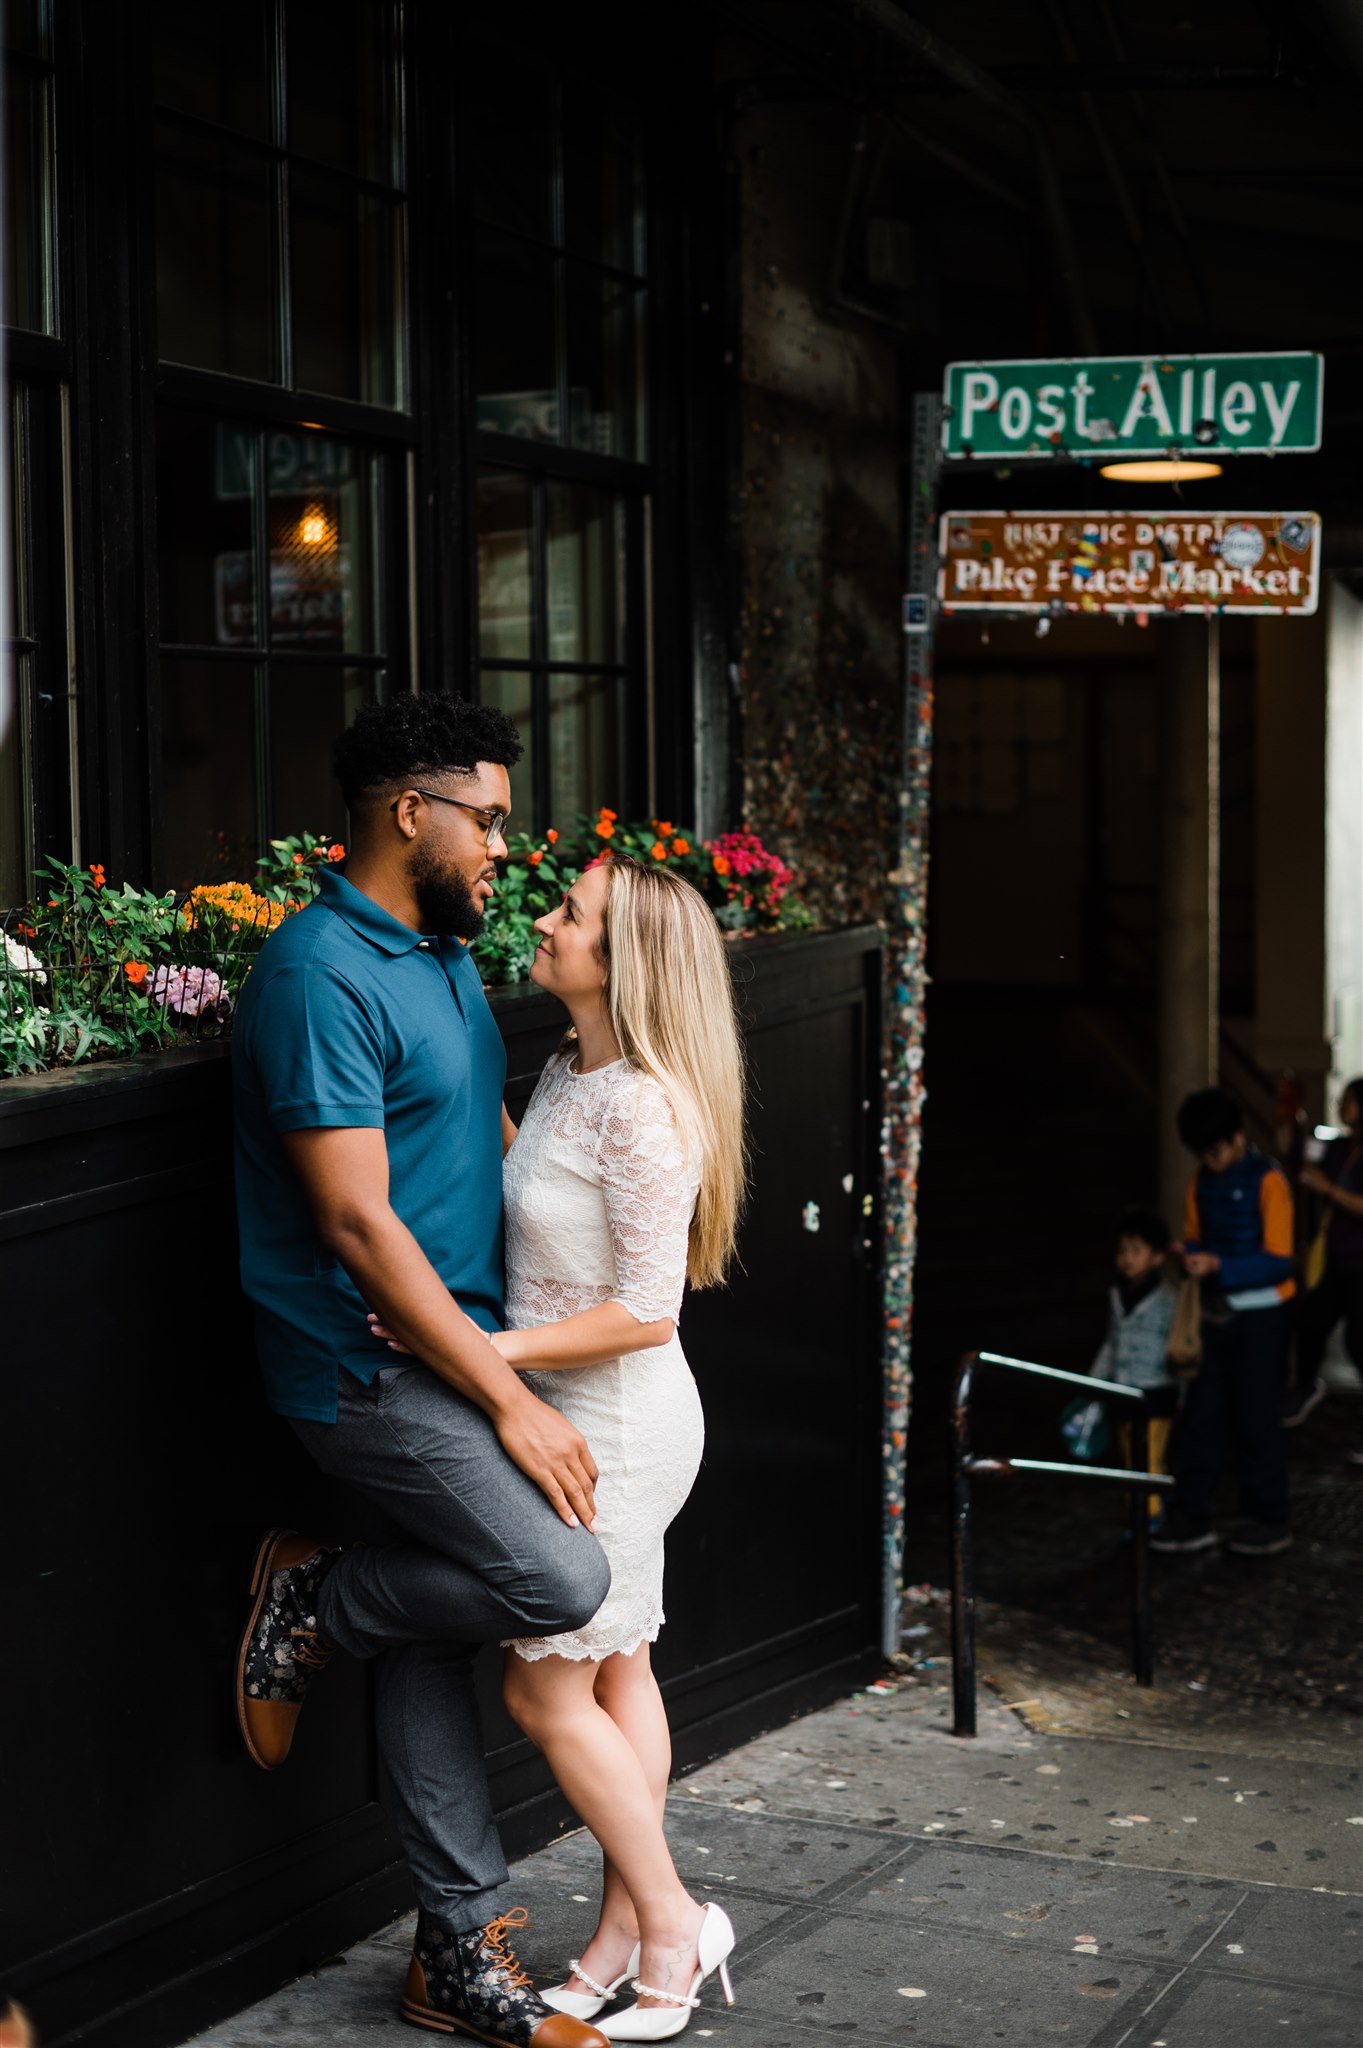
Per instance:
(368,1076)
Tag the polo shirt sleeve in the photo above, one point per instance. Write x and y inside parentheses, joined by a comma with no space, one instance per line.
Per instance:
(317,1051)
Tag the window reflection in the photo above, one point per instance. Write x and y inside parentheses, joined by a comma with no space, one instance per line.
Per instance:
(602,196)
(342,85)
(208,779)
(586,768)
(321,536)
(310,704)
(14,806)
(504,601)
(511,692)
(214,62)
(214,267)
(346,281)
(605,341)
(508,146)
(206,502)
(514,340)
(586,564)
(28,201)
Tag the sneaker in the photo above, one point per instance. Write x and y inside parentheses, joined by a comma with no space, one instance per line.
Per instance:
(472,1984)
(1259,1539)
(1178,1533)
(1299,1401)
(282,1648)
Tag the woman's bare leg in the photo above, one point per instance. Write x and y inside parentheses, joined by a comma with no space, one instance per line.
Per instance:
(627,1689)
(619,1797)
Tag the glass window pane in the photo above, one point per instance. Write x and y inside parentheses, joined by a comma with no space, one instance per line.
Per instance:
(586,757)
(214,255)
(511,693)
(602,192)
(586,574)
(342,85)
(309,708)
(214,62)
(605,371)
(14,804)
(508,145)
(209,828)
(28,27)
(324,561)
(206,515)
(28,201)
(514,319)
(504,563)
(346,249)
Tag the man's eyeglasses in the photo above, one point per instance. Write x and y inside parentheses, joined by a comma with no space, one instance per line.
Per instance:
(494,822)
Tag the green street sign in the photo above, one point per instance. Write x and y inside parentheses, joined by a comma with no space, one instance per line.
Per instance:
(1112,406)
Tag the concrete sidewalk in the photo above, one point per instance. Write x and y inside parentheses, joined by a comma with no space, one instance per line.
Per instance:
(892,1883)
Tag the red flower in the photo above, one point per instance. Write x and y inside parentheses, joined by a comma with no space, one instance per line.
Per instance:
(552,836)
(336,852)
(535,859)
(137,972)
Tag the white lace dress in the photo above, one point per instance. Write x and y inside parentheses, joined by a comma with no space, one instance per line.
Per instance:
(599,1198)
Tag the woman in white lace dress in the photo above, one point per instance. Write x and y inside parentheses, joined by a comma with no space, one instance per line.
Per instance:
(623,1181)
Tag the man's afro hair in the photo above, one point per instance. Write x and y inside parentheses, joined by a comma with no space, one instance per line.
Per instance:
(410,739)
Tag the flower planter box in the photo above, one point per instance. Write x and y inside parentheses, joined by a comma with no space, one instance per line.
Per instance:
(157,1881)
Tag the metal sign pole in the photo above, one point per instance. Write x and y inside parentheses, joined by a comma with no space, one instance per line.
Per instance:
(905,985)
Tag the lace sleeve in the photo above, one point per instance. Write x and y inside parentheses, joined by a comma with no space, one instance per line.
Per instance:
(650,1193)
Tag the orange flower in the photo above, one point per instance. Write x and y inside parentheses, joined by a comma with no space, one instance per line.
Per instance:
(552,836)
(604,813)
(604,829)
(137,972)
(680,846)
(535,859)
(298,858)
(721,865)
(658,850)
(97,870)
(662,828)
(336,852)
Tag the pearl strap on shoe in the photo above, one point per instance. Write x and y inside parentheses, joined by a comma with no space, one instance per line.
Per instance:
(575,1969)
(647,1991)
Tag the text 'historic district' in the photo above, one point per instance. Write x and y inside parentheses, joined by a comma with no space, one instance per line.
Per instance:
(1129,562)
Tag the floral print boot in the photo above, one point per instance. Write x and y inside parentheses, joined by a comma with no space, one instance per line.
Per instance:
(472,1984)
(282,1648)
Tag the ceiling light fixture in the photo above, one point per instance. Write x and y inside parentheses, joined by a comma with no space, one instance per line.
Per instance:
(1169,470)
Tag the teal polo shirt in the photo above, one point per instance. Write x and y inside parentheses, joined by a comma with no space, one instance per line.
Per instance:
(351,1020)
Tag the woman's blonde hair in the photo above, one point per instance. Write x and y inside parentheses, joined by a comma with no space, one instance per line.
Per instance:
(670,1000)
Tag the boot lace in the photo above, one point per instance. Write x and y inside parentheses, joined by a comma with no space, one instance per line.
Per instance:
(310,1650)
(497,1943)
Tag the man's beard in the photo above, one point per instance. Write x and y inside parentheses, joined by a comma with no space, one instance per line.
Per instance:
(445,901)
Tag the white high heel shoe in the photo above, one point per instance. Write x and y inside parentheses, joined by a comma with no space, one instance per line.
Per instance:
(576,2003)
(656,2022)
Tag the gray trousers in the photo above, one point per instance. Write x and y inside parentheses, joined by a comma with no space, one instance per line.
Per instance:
(487,1559)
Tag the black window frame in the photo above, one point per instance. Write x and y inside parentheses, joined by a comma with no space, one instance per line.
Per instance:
(389,434)
(630,479)
(39,375)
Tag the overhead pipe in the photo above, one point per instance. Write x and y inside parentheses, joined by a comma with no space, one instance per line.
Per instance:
(923,43)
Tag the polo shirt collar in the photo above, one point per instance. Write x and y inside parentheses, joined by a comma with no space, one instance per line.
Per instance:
(365,916)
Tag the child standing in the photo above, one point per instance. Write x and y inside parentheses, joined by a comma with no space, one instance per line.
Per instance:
(1238,1242)
(1134,1352)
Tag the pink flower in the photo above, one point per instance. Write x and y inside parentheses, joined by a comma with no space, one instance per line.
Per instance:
(190,992)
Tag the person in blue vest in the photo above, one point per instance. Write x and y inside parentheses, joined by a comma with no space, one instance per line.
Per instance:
(1237,1241)
(368,1075)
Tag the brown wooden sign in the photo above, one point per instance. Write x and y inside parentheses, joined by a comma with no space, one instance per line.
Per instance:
(1129,562)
